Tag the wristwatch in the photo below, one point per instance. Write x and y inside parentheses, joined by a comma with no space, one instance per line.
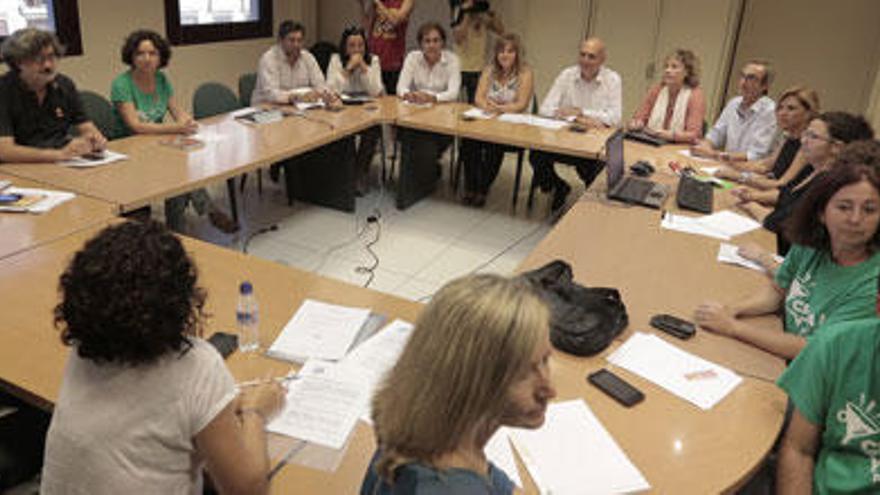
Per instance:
(744,177)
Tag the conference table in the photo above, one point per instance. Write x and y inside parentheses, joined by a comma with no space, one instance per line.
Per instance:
(22,230)
(678,447)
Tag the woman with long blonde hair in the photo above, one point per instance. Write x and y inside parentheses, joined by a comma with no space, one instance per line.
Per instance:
(477,359)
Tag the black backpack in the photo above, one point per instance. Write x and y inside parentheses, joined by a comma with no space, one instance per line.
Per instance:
(584,320)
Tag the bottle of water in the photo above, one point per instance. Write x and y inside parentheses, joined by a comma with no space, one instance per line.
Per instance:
(248,318)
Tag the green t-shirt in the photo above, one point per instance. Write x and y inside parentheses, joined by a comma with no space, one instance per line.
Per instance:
(835,384)
(820,292)
(150,108)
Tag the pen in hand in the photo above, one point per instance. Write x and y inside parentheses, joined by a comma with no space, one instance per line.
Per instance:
(262,381)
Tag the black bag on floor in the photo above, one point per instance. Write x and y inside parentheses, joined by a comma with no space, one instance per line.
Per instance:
(584,320)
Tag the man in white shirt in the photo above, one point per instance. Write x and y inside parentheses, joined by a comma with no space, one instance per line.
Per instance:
(288,73)
(747,125)
(432,74)
(588,94)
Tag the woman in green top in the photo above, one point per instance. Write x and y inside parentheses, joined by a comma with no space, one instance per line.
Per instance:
(828,276)
(832,444)
(141,97)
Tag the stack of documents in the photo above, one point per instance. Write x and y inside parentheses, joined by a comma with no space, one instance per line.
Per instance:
(499,452)
(319,331)
(721,225)
(692,378)
(35,200)
(572,453)
(322,406)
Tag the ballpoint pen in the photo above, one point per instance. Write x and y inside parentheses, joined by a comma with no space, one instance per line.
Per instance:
(263,381)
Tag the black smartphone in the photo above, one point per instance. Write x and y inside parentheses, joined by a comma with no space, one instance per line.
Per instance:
(674,326)
(225,343)
(577,128)
(616,387)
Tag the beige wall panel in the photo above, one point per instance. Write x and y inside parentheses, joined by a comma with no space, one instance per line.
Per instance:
(831,46)
(707,29)
(629,29)
(105,23)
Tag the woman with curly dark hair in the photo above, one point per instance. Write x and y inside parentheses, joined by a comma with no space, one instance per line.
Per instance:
(145,402)
(142,96)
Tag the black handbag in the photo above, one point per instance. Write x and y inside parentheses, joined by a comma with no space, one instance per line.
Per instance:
(584,320)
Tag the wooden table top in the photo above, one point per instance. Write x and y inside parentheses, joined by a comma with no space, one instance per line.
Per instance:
(154,171)
(22,231)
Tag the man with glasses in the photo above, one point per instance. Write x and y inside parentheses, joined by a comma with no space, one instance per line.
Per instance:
(41,116)
(589,95)
(747,125)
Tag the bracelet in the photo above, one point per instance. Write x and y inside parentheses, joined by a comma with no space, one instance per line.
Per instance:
(744,177)
(254,410)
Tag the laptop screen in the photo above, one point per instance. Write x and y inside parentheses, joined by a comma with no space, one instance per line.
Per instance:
(614,164)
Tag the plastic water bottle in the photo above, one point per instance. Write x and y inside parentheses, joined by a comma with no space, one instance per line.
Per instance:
(248,318)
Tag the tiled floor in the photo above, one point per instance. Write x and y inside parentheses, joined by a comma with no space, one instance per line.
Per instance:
(418,249)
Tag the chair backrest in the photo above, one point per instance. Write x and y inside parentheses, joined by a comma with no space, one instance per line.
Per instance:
(213,98)
(322,51)
(99,110)
(246,84)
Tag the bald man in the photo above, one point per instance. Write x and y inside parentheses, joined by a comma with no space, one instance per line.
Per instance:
(589,94)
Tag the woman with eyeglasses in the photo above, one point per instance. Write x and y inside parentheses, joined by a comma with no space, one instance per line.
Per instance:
(821,142)
(354,71)
(829,275)
(797,107)
(506,86)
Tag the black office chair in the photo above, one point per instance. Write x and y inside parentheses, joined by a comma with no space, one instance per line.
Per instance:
(99,110)
(213,98)
(322,51)
(246,85)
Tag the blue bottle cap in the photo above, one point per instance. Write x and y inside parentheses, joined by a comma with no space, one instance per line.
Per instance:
(246,288)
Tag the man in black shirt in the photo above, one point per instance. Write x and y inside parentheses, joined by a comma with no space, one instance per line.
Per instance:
(41,116)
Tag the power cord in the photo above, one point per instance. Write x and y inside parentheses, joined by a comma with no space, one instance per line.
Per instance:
(371,269)
(260,231)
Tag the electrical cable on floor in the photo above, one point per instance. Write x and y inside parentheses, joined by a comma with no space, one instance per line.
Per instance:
(260,231)
(371,269)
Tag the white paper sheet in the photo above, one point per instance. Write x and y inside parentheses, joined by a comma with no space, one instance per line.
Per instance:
(476,113)
(500,453)
(304,105)
(320,331)
(728,253)
(690,225)
(533,120)
(710,170)
(730,223)
(572,453)
(81,162)
(322,406)
(690,377)
(377,355)
(686,152)
(51,199)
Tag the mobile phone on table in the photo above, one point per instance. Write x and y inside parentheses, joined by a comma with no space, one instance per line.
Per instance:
(225,343)
(674,326)
(616,387)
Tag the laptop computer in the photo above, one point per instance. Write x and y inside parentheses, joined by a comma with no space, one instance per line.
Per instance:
(629,189)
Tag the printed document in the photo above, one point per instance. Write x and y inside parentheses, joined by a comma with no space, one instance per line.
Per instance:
(572,453)
(690,377)
(319,330)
